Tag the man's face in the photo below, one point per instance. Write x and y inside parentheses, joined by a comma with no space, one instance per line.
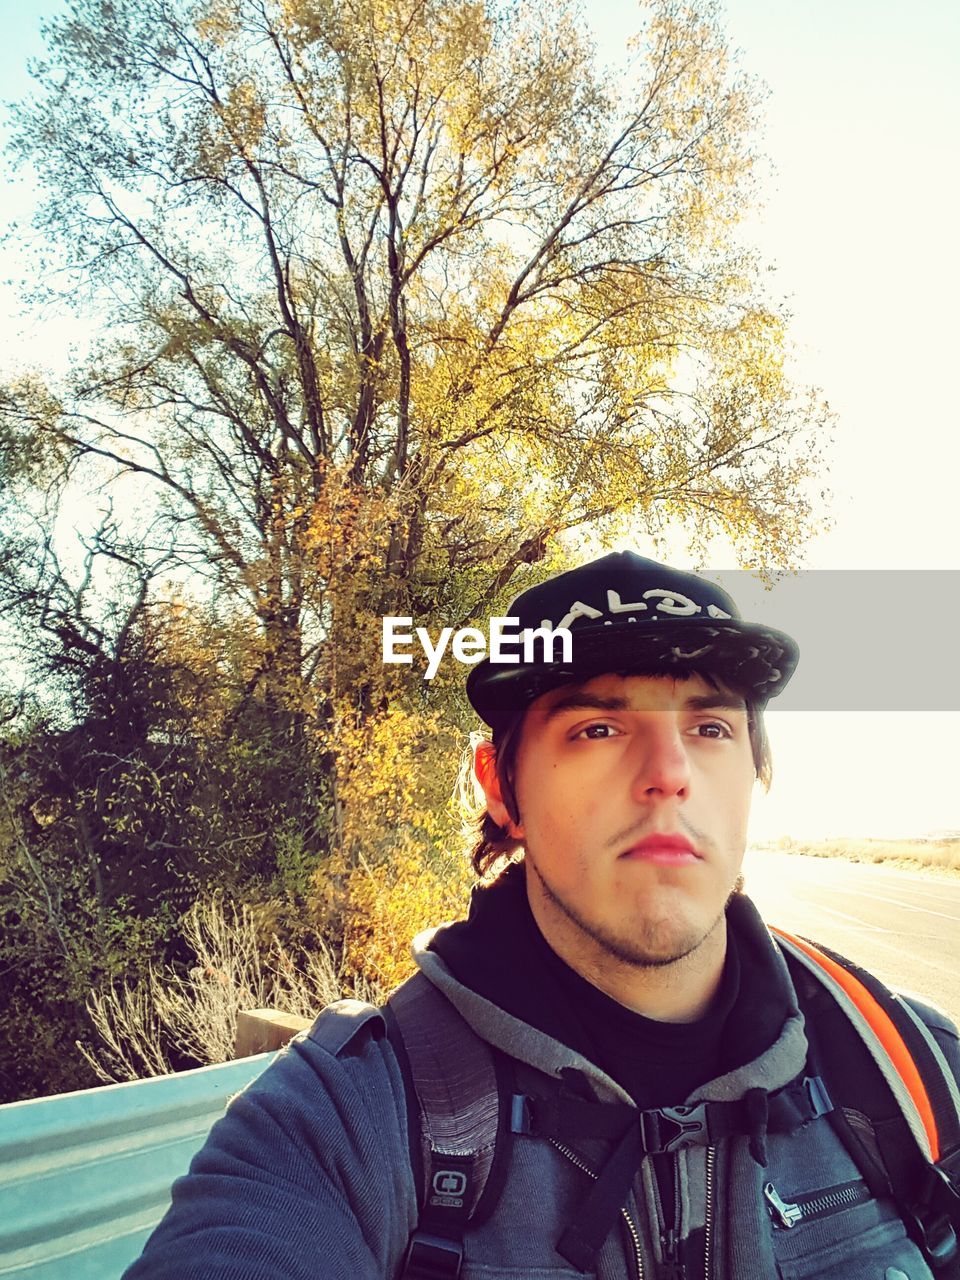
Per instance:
(634,793)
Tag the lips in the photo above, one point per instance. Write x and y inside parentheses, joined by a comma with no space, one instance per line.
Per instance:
(664,848)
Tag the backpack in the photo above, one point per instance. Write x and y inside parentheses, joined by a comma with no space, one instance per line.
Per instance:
(882,1061)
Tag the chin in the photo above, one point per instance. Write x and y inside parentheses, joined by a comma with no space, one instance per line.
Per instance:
(654,943)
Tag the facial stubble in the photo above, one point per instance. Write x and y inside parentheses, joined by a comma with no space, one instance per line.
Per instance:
(642,950)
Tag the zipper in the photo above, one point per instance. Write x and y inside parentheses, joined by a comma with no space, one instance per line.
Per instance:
(818,1204)
(708,1212)
(670,1240)
(711,1161)
(667,1238)
(635,1237)
(673,1268)
(631,1226)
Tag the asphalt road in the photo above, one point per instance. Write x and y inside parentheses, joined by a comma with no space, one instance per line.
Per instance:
(903,925)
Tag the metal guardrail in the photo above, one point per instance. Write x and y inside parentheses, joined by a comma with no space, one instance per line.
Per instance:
(85,1177)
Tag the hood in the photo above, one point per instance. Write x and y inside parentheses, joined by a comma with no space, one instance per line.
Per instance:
(506,957)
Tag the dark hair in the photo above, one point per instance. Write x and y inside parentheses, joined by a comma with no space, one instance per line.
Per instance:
(495,847)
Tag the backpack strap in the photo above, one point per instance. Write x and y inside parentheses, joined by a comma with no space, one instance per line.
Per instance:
(943,1088)
(464,1112)
(460,1091)
(639,1134)
(922,1084)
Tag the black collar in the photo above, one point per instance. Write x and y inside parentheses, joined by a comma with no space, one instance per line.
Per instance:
(500,953)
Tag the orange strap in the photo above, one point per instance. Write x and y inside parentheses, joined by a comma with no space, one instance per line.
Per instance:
(883,1027)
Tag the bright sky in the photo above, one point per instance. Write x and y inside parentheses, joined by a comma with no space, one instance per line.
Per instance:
(859,220)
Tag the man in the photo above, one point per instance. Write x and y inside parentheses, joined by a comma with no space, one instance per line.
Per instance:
(613,968)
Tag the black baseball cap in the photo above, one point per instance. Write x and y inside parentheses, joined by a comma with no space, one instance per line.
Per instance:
(625,613)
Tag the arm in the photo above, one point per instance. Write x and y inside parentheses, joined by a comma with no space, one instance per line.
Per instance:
(308,1173)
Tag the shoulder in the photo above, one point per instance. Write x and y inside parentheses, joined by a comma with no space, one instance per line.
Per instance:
(813,990)
(346,1027)
(346,1048)
(312,1154)
(932,1016)
(940,1026)
(337,1086)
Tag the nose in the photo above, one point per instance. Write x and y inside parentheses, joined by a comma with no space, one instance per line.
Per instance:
(661,767)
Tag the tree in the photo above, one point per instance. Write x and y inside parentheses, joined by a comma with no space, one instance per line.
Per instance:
(414,273)
(393,296)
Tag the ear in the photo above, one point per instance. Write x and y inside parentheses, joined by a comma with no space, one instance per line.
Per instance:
(485,771)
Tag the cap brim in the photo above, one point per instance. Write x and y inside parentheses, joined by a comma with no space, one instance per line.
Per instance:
(756,661)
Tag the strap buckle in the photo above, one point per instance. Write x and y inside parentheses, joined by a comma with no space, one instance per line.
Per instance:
(520,1115)
(935,1219)
(432,1257)
(936,1239)
(821,1103)
(669,1129)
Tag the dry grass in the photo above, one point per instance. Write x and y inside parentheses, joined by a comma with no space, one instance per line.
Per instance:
(940,855)
(197,1012)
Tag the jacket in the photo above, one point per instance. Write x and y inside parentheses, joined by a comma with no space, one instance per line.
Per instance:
(308,1174)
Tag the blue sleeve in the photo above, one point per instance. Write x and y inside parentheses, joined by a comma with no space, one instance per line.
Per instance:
(307,1174)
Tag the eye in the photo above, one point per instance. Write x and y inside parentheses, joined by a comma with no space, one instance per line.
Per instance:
(597,732)
(714,729)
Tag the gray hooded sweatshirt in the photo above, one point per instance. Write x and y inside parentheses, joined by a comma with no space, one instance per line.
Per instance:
(308,1175)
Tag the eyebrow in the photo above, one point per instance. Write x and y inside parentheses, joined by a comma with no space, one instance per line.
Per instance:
(580,701)
(716,702)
